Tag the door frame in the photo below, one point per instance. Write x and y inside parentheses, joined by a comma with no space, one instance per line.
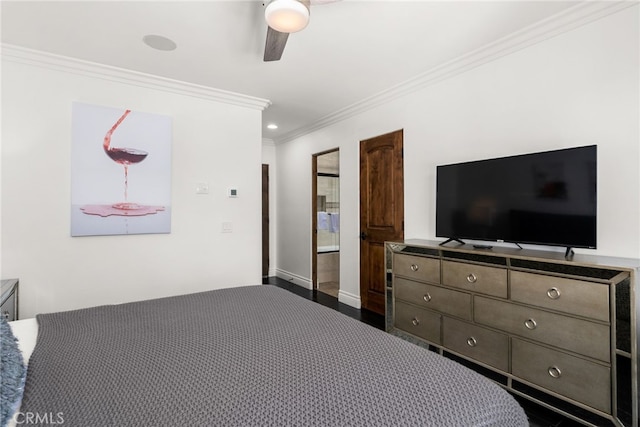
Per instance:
(265,221)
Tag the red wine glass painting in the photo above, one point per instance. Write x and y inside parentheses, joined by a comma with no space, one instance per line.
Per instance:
(120,171)
(124,157)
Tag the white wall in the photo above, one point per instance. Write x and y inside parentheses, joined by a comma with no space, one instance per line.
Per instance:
(578,88)
(215,142)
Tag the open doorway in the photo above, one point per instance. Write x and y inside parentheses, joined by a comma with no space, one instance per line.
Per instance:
(326,222)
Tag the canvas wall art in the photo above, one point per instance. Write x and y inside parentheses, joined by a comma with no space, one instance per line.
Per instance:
(120,171)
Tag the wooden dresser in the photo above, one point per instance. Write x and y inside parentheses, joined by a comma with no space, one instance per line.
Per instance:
(559,332)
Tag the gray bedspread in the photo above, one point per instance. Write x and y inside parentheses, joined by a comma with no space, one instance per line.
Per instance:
(250,356)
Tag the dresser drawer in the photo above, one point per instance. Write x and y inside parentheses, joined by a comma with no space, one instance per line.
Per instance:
(578,379)
(416,267)
(486,346)
(417,321)
(581,336)
(434,297)
(477,278)
(577,297)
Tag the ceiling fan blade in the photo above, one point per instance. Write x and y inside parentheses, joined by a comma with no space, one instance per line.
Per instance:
(274,46)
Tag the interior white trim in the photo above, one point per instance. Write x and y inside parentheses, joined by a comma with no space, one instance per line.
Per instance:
(557,24)
(294,278)
(268,142)
(100,71)
(343,296)
(349,299)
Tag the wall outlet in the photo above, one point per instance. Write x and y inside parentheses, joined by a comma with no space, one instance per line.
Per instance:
(227,227)
(202,188)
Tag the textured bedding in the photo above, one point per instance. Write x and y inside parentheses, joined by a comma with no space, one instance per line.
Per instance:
(256,355)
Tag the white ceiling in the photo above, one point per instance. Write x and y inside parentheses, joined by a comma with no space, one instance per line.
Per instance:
(350,51)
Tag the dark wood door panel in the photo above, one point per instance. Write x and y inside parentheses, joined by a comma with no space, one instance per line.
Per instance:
(380,204)
(373,258)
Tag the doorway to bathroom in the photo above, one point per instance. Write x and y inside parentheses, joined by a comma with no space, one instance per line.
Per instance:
(326,222)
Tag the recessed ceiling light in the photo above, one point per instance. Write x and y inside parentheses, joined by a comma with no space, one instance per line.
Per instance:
(272,126)
(159,42)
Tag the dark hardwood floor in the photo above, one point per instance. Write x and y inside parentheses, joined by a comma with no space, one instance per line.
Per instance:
(365,316)
(538,416)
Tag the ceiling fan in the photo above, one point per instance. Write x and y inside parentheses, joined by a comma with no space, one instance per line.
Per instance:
(284,17)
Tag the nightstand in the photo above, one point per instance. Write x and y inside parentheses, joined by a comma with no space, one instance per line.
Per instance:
(9,299)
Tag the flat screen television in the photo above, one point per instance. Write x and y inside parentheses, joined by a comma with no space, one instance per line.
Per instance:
(546,198)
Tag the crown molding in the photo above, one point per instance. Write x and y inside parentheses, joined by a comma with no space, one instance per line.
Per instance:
(562,22)
(95,70)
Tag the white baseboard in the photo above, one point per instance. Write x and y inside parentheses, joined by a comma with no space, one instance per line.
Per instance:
(294,278)
(349,299)
(343,296)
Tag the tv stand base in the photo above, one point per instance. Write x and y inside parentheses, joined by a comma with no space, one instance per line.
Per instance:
(483,246)
(568,254)
(453,239)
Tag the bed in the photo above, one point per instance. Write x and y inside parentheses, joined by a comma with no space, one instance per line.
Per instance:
(254,355)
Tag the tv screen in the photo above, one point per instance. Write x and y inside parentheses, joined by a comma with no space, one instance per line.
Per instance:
(546,198)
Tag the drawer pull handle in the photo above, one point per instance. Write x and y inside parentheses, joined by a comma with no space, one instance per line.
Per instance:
(5,314)
(472,278)
(415,321)
(553,293)
(530,324)
(414,267)
(426,297)
(471,342)
(555,372)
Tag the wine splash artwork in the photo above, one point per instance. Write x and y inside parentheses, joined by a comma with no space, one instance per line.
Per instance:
(136,200)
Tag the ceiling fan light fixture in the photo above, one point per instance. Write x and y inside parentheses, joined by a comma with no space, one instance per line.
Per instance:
(287,16)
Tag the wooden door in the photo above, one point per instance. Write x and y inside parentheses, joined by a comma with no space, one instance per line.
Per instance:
(381,212)
(265,220)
